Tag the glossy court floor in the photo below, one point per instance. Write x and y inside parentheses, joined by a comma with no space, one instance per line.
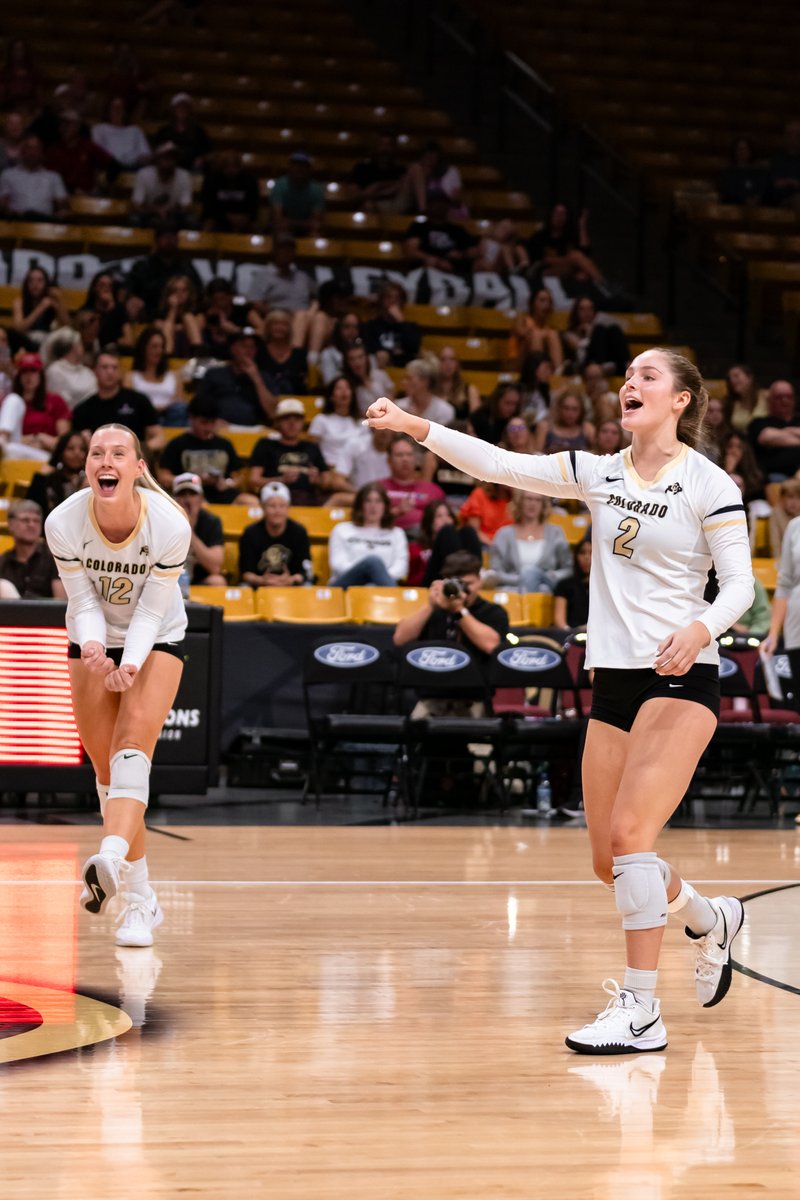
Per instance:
(379,1014)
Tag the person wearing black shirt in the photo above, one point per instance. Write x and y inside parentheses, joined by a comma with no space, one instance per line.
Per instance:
(436,242)
(230,195)
(562,248)
(186,133)
(240,389)
(291,459)
(207,547)
(377,183)
(29,565)
(571,605)
(149,275)
(776,438)
(389,336)
(275,552)
(114,404)
(202,451)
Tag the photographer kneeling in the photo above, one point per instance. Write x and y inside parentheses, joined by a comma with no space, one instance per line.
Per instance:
(456,613)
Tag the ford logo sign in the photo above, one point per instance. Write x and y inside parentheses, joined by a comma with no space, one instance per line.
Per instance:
(782,668)
(438,658)
(346,654)
(529,658)
(727,667)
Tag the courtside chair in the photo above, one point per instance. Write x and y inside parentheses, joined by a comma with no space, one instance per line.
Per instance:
(510,601)
(302,605)
(383,605)
(537,609)
(237,603)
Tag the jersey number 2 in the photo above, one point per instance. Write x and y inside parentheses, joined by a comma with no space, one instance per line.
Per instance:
(116,591)
(628,530)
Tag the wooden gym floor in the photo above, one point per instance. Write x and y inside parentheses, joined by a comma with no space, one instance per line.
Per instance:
(379,1014)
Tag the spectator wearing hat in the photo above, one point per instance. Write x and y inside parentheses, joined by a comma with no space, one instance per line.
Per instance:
(297,201)
(151,274)
(207,547)
(229,195)
(114,404)
(203,452)
(162,191)
(29,191)
(76,158)
(190,139)
(31,418)
(292,459)
(240,389)
(436,242)
(67,373)
(28,565)
(275,552)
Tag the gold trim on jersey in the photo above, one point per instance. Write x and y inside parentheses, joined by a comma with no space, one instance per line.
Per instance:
(645,484)
(724,524)
(134,532)
(563,466)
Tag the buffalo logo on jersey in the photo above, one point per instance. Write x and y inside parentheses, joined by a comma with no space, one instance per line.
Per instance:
(675,488)
(35,1021)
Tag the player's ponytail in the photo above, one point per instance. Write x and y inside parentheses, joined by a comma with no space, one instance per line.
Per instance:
(146,480)
(687,378)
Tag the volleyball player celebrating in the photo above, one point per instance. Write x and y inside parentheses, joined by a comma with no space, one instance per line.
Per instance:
(661,514)
(120,545)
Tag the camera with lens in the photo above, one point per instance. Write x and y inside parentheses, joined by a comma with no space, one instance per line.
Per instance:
(453,588)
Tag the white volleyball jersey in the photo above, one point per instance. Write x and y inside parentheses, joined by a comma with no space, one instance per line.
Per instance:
(653,541)
(124,594)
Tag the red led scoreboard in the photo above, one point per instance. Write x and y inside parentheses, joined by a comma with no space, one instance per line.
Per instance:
(39,745)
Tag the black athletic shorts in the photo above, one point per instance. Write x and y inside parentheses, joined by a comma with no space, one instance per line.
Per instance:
(115,652)
(617,696)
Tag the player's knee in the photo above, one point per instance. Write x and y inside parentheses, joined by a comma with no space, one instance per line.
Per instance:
(130,776)
(639,890)
(602,866)
(626,833)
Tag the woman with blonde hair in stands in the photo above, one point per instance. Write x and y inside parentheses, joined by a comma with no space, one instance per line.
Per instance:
(180,320)
(531,555)
(120,546)
(567,428)
(609,438)
(67,373)
(534,332)
(452,387)
(744,399)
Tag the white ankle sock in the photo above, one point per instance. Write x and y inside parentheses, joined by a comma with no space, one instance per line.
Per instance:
(693,910)
(642,984)
(137,879)
(114,845)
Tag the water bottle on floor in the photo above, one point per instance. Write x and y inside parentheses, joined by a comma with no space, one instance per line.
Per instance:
(544,806)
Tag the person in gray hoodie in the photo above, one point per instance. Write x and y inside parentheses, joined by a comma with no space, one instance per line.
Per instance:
(531,555)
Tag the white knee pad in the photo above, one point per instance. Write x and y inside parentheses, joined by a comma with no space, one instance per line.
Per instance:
(130,776)
(102,795)
(639,890)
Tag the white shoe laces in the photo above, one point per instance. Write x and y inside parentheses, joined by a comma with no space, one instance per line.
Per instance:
(616,993)
(137,911)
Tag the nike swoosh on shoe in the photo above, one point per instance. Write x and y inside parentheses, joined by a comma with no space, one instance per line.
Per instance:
(644,1029)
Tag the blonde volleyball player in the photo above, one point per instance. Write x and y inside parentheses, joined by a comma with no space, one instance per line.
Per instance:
(120,545)
(661,514)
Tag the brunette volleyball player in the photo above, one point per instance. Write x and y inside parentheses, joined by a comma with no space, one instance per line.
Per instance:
(120,546)
(661,515)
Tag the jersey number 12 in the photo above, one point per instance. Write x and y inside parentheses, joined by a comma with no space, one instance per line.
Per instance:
(115,591)
(628,530)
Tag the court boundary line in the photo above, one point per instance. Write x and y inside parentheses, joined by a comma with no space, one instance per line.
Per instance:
(774,885)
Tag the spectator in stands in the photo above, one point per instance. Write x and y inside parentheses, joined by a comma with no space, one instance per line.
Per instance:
(595,337)
(534,332)
(103,298)
(128,77)
(603,402)
(121,140)
(150,275)
(562,248)
(163,191)
(532,554)
(6,364)
(433,173)
(787,508)
(87,325)
(567,428)
(437,242)
(282,284)
(12,139)
(66,475)
(346,333)
(367,459)
(378,183)
(419,381)
(229,195)
(45,124)
(29,191)
(368,379)
(67,374)
(339,424)
(739,461)
(39,307)
(535,378)
(608,438)
(743,182)
(81,97)
(207,546)
(31,418)
(283,363)
(716,430)
(464,620)
(784,169)
(113,403)
(204,452)
(744,399)
(776,437)
(19,78)
(501,250)
(486,509)
(76,159)
(452,387)
(571,595)
(292,459)
(225,315)
(191,141)
(179,319)
(240,389)
(151,375)
(456,484)
(389,336)
(438,538)
(297,201)
(490,420)
(408,494)
(519,435)
(275,552)
(29,565)
(368,549)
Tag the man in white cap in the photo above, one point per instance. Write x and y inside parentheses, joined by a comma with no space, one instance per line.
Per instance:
(275,552)
(163,191)
(192,143)
(207,547)
(292,459)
